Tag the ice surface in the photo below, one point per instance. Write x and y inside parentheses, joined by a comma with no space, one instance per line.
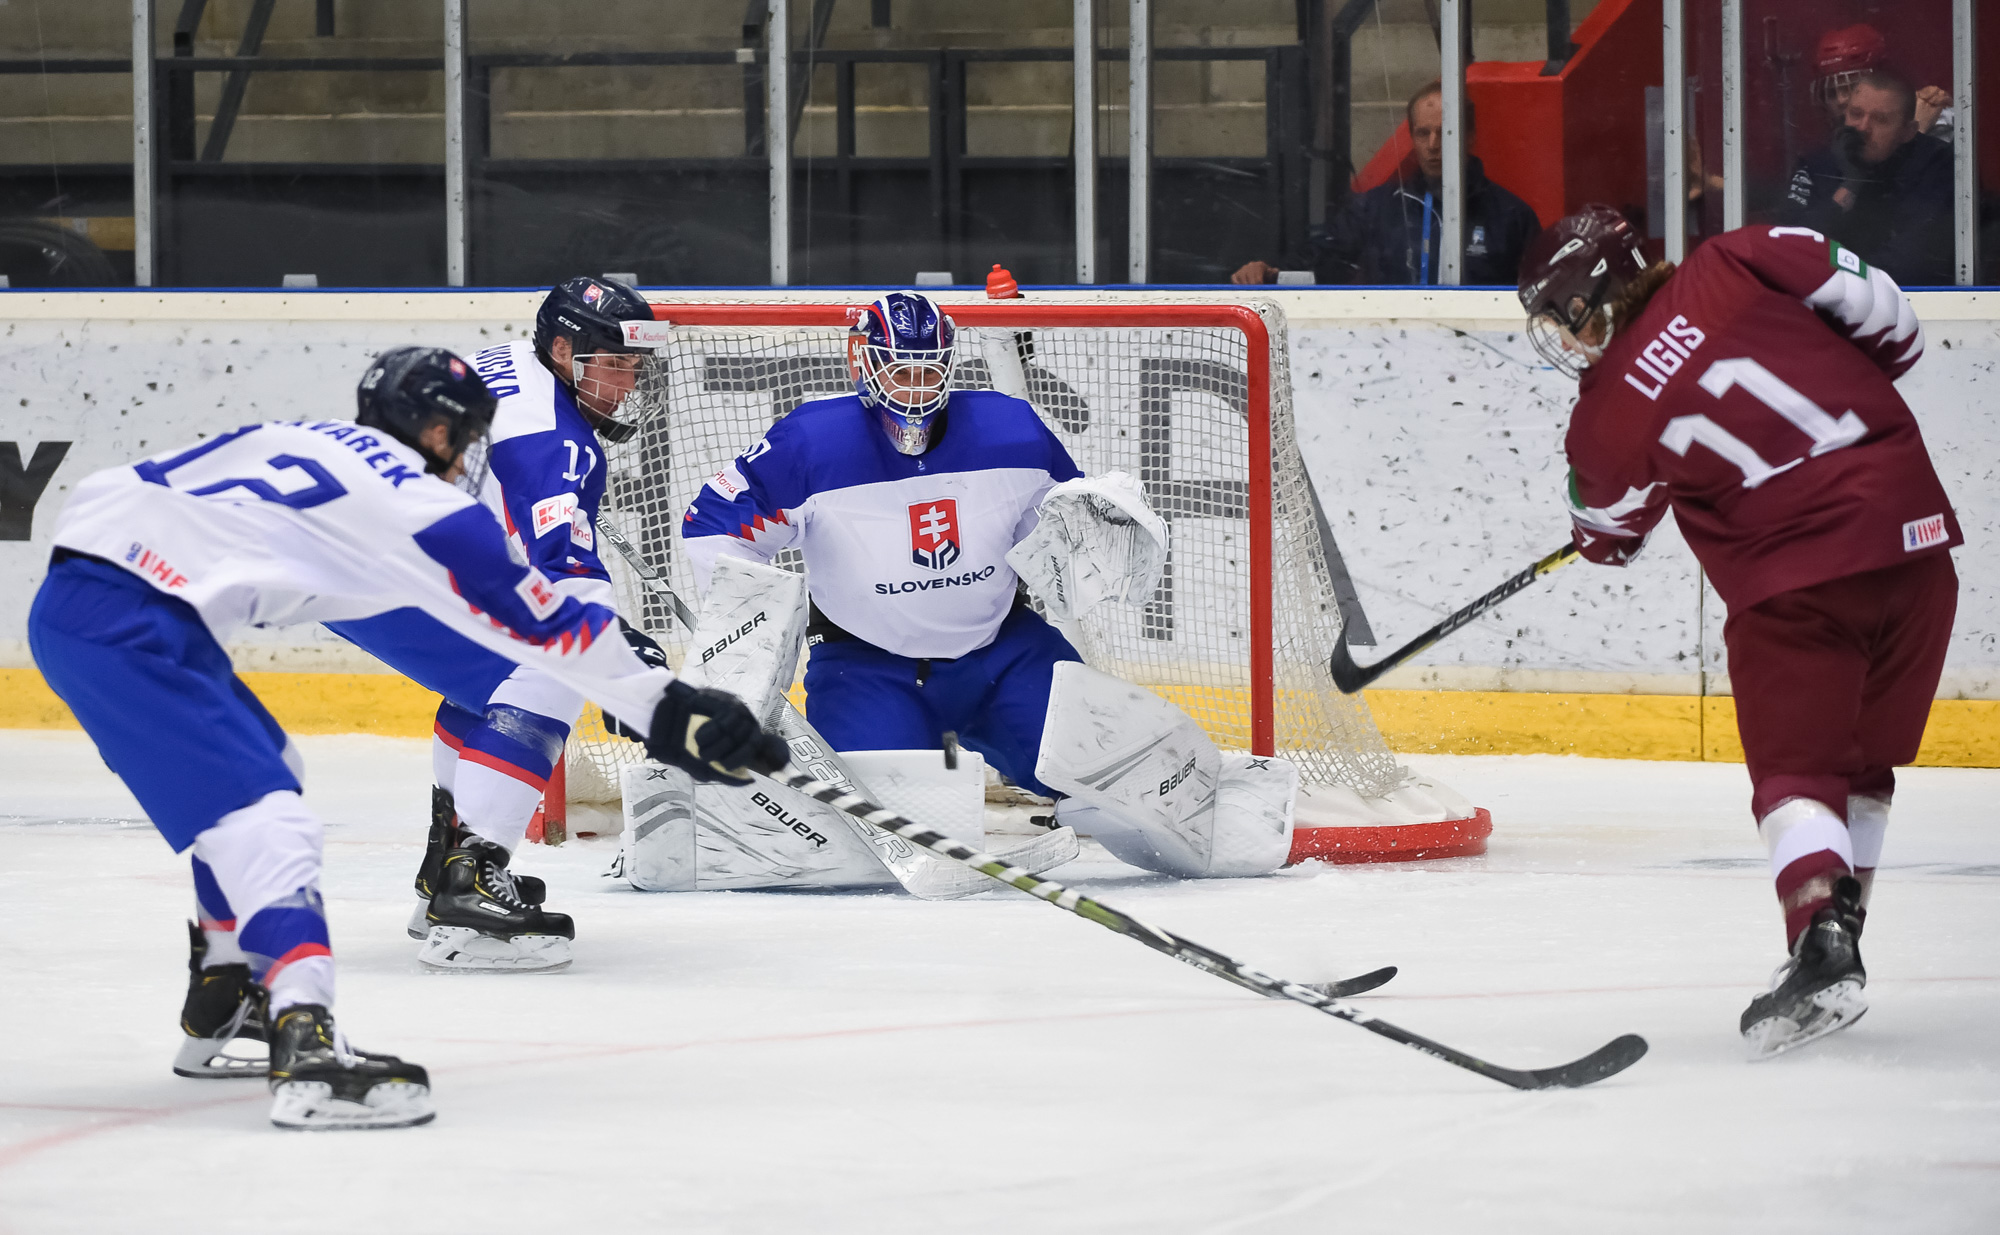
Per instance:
(757,1062)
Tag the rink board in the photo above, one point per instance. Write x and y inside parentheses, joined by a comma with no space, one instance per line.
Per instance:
(1430,429)
(1962,732)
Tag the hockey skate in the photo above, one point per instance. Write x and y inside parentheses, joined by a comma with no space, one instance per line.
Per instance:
(480,920)
(318,1082)
(446,835)
(223,1019)
(1818,990)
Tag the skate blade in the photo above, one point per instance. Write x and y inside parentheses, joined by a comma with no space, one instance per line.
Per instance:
(309,1106)
(208,1059)
(420,923)
(1834,1008)
(460,949)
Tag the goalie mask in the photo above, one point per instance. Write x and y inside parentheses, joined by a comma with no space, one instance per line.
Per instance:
(603,321)
(407,390)
(1570,277)
(900,352)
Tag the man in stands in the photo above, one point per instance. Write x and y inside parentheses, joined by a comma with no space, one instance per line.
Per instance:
(1880,187)
(1390,233)
(1752,391)
(1845,54)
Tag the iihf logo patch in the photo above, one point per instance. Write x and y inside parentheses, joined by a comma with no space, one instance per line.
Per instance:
(934,533)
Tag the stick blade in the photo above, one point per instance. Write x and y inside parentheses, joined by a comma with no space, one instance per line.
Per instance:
(1608,1060)
(1355,985)
(1348,677)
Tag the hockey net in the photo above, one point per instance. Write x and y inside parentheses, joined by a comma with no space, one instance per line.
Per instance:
(1194,400)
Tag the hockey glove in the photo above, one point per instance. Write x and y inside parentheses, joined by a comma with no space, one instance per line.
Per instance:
(648,651)
(711,736)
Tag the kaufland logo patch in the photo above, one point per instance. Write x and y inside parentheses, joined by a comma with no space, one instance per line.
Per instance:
(1923,533)
(934,533)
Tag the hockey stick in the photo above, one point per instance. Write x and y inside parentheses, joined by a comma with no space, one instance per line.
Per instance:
(920,874)
(1607,1060)
(1350,677)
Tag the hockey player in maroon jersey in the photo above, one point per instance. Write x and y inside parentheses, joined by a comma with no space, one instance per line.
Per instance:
(1750,390)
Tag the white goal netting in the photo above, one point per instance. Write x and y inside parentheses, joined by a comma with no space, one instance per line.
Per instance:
(1170,405)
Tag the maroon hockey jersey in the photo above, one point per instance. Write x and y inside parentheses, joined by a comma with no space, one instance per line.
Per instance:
(1754,394)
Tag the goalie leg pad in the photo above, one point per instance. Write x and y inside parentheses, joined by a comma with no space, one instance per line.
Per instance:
(1147,783)
(681,836)
(747,638)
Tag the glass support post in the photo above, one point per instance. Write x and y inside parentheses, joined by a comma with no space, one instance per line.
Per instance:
(1965,139)
(455,203)
(1139,149)
(1732,115)
(1673,116)
(1083,140)
(145,186)
(778,136)
(1454,21)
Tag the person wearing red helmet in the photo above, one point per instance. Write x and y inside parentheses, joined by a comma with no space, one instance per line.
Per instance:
(1840,59)
(1751,392)
(1880,187)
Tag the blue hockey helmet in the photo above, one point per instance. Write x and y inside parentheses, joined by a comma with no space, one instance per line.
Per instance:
(900,350)
(408,389)
(602,319)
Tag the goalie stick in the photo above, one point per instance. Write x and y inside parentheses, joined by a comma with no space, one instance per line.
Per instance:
(1350,677)
(1607,1060)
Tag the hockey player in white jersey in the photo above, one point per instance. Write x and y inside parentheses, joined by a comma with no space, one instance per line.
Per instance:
(501,726)
(157,564)
(920,511)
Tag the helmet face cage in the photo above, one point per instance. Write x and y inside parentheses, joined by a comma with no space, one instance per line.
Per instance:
(605,383)
(901,353)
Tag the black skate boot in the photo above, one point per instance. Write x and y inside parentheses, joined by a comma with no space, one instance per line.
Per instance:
(319,1082)
(479,920)
(224,1010)
(447,835)
(1819,989)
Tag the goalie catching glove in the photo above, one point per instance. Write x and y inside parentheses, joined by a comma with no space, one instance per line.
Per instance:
(1096,539)
(711,736)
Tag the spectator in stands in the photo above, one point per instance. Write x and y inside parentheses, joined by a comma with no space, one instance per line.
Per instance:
(1841,58)
(1390,233)
(1880,187)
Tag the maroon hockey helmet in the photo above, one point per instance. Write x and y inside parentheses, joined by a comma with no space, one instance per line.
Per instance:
(1842,56)
(1571,273)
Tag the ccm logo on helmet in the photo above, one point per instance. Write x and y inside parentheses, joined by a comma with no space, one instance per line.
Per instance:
(1664,356)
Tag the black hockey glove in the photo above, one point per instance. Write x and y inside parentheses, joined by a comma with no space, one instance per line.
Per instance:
(711,736)
(648,651)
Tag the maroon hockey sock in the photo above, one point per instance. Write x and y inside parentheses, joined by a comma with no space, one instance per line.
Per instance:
(1805,886)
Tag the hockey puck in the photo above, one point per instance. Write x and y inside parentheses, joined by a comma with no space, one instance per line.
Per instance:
(1402,842)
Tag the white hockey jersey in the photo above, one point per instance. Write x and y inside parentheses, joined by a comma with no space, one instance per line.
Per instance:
(907,552)
(321,521)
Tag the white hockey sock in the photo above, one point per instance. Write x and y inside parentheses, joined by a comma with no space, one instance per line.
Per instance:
(444,764)
(1801,826)
(308,980)
(1867,823)
(494,805)
(222,946)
